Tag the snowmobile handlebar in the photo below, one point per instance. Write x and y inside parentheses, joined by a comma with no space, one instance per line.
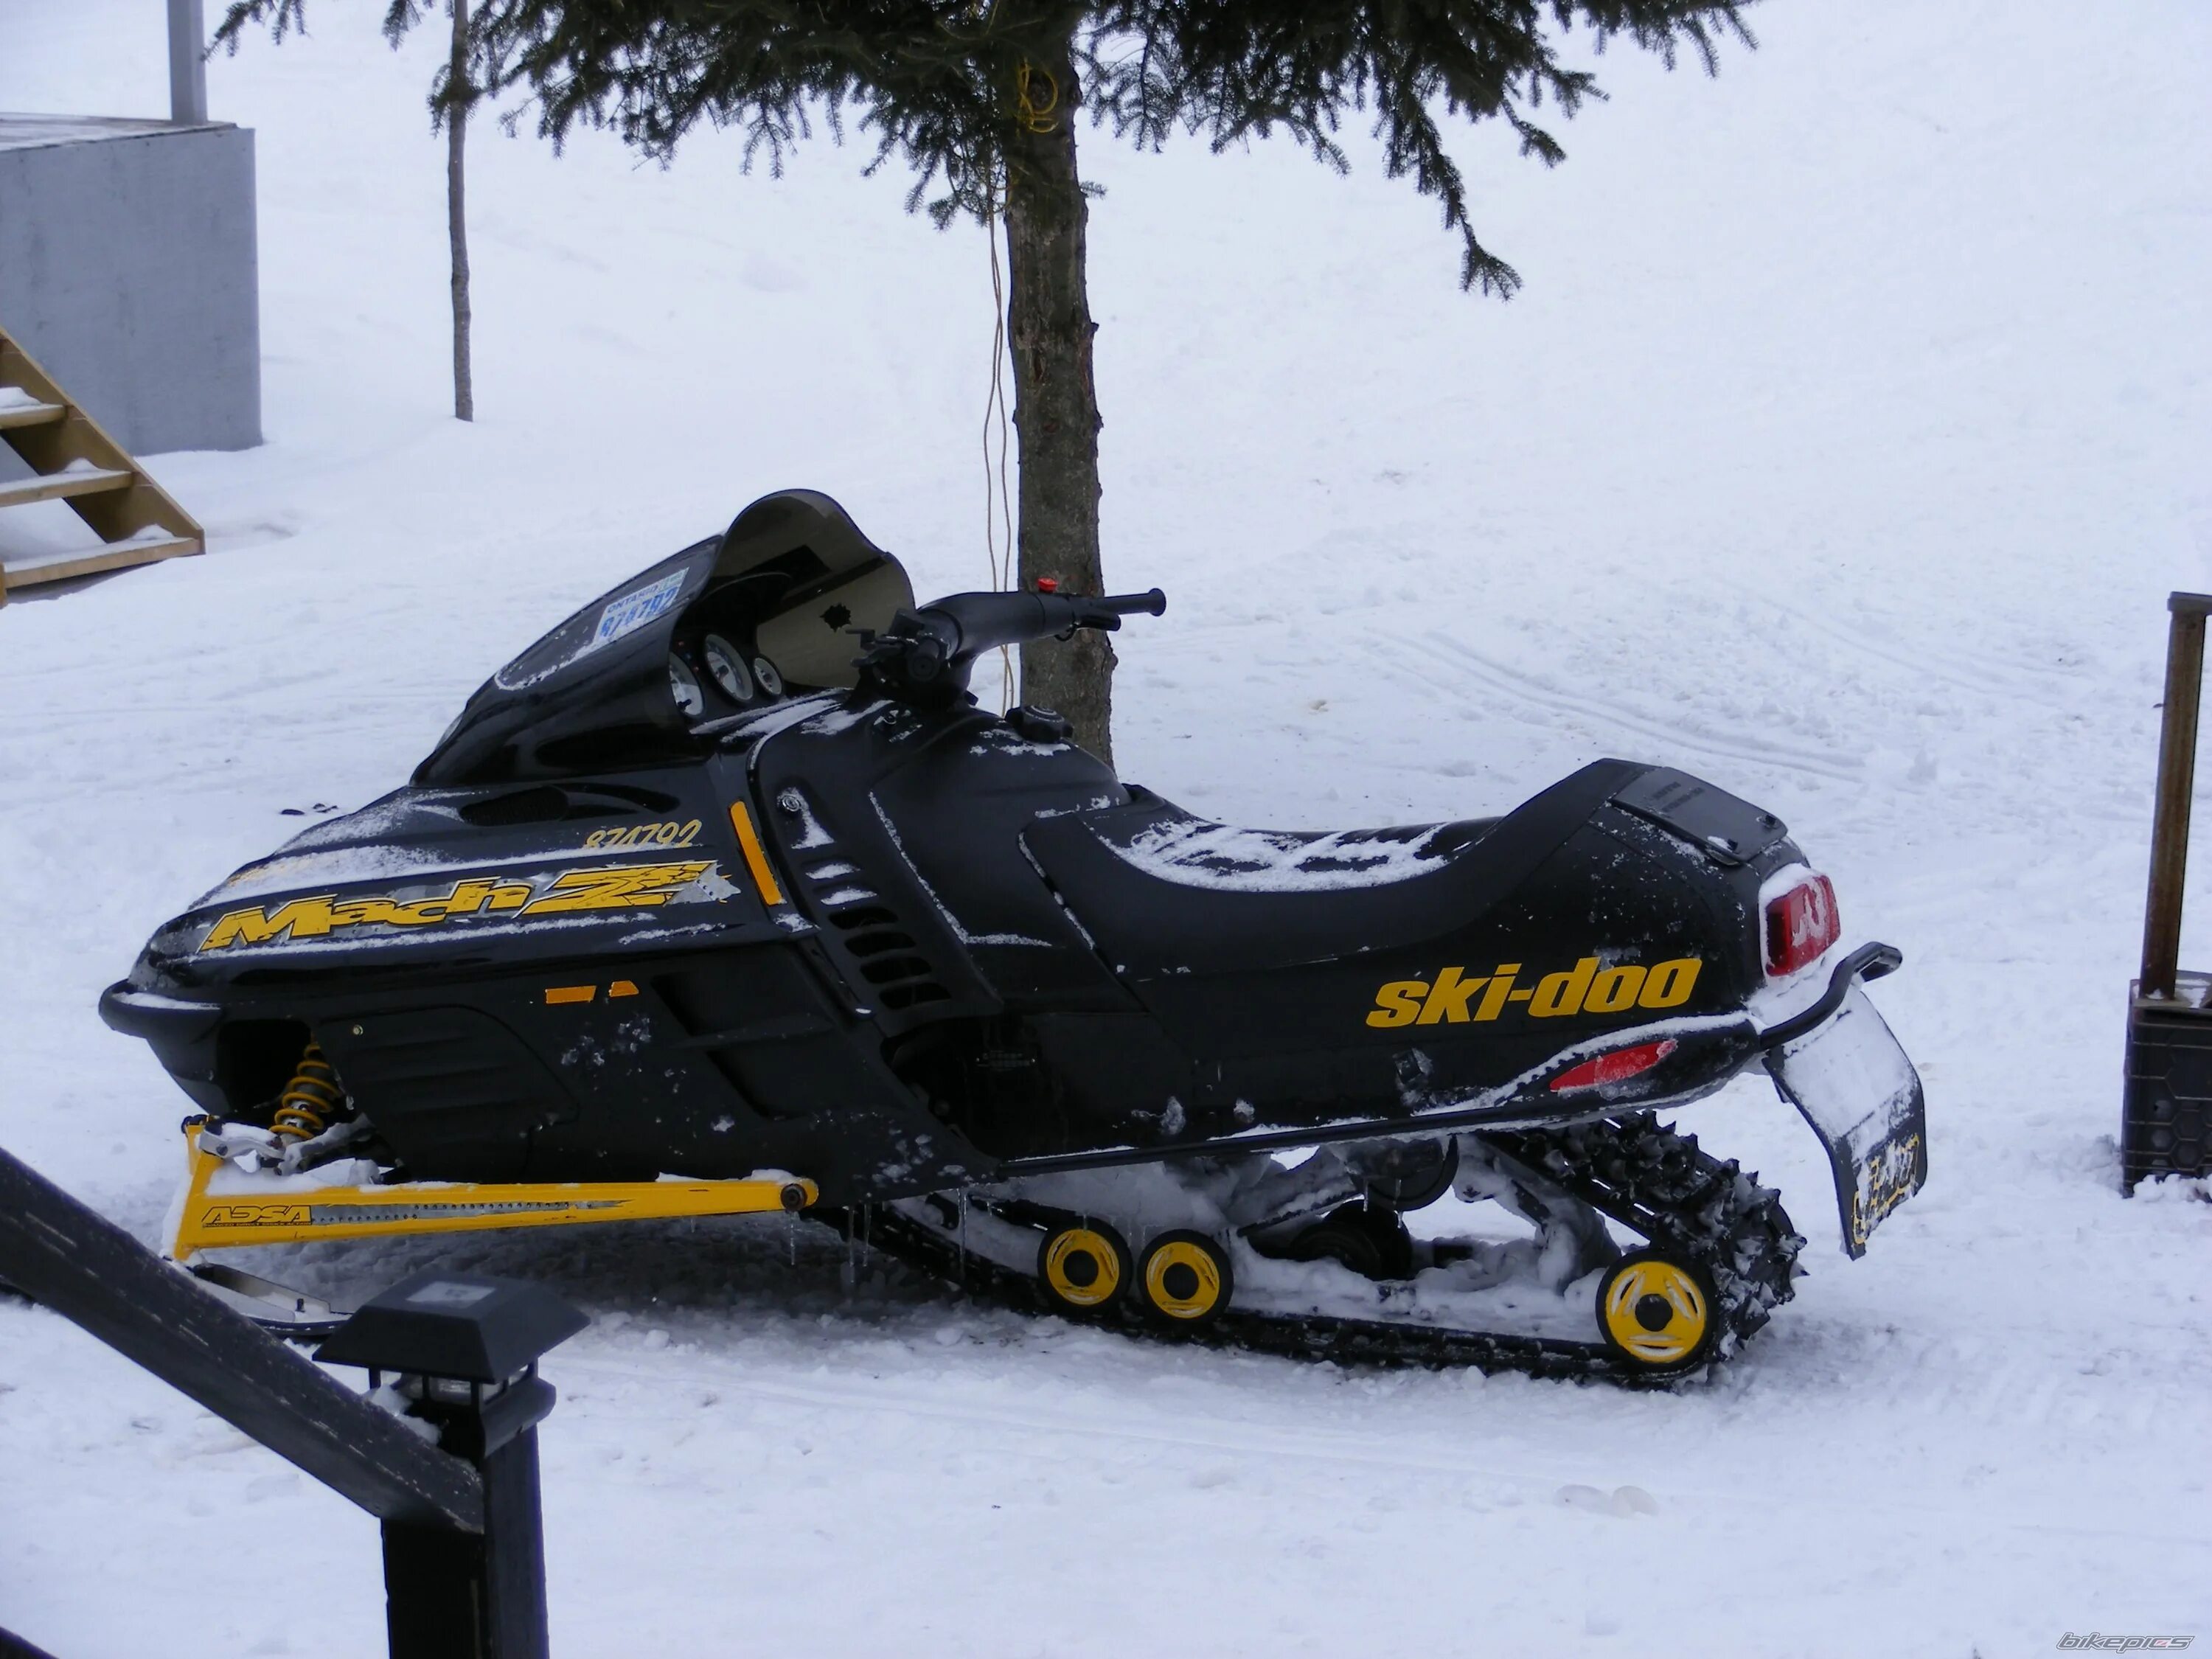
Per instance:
(928,651)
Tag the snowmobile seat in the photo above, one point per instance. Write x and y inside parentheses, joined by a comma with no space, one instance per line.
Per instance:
(1165,891)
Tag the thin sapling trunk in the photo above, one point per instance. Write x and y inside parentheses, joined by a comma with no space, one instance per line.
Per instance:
(456,225)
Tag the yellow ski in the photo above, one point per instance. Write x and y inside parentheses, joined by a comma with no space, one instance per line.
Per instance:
(222,1207)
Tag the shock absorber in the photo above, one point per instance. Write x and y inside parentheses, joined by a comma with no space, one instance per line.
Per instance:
(312,1101)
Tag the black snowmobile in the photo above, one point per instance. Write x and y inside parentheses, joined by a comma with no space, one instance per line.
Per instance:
(726,896)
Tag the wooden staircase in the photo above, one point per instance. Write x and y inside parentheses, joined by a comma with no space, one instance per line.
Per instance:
(76,462)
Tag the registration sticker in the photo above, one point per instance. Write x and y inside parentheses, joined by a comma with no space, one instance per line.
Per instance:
(633,610)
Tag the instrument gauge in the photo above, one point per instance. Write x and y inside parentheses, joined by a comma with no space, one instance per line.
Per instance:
(727,665)
(770,681)
(684,686)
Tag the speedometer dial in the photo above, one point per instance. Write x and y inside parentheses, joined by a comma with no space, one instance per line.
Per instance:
(727,665)
(684,686)
(770,681)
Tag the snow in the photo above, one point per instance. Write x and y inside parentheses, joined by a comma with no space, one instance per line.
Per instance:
(1227,859)
(1842,450)
(760,725)
(842,717)
(1784,999)
(231,1180)
(149,535)
(138,998)
(1786,879)
(293,870)
(19,563)
(1848,1077)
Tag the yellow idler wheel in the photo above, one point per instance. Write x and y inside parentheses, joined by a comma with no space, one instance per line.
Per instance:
(1656,1311)
(1184,1279)
(1083,1266)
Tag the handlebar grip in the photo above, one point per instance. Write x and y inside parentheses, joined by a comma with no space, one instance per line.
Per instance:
(1150,602)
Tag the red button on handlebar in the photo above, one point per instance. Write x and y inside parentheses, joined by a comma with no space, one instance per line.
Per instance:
(1047,584)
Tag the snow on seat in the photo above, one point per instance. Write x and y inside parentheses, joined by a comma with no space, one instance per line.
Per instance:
(1165,891)
(1193,852)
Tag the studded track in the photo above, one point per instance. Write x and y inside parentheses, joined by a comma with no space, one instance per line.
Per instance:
(1635,1171)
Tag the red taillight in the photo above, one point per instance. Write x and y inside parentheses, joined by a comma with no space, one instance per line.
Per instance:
(1799,925)
(1616,1068)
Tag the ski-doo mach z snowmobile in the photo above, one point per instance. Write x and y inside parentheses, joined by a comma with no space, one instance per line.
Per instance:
(726,896)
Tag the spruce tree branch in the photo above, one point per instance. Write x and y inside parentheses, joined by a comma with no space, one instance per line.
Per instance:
(932,82)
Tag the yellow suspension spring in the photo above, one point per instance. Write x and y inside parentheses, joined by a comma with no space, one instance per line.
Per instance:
(312,1100)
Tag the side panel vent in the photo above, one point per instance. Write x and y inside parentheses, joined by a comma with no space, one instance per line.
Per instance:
(877,943)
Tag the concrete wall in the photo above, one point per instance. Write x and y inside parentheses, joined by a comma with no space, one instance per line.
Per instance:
(128,269)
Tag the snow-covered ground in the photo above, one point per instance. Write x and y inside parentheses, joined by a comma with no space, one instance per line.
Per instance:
(1843,448)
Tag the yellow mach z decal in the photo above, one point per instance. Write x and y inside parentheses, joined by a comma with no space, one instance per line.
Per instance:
(1456,998)
(614,887)
(619,888)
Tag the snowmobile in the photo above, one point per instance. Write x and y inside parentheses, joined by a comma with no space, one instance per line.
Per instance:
(726,896)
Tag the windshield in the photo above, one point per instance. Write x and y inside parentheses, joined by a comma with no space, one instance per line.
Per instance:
(744,619)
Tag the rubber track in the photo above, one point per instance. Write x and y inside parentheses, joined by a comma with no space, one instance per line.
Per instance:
(1635,1171)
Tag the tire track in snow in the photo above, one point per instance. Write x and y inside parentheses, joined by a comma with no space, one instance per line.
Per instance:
(2000,678)
(1080,1420)
(1599,712)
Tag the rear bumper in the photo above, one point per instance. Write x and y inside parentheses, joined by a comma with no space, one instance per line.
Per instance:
(1868,963)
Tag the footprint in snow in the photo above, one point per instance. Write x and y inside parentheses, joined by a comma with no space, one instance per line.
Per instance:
(1624,1501)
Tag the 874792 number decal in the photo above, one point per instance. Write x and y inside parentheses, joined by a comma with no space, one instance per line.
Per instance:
(686,834)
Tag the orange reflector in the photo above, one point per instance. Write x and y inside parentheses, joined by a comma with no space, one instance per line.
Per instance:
(571,993)
(756,855)
(1616,1068)
(621,988)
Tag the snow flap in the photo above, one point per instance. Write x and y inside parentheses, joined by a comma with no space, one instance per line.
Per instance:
(1856,1087)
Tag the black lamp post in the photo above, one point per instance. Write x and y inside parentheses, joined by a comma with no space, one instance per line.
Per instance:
(462,1350)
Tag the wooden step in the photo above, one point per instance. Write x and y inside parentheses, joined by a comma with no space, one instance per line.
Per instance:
(29,414)
(78,464)
(59,568)
(58,486)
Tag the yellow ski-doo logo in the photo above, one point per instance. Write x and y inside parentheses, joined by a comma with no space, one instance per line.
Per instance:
(1455,997)
(619,887)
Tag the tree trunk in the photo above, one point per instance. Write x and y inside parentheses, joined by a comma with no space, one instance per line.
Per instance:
(457,224)
(1049,331)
